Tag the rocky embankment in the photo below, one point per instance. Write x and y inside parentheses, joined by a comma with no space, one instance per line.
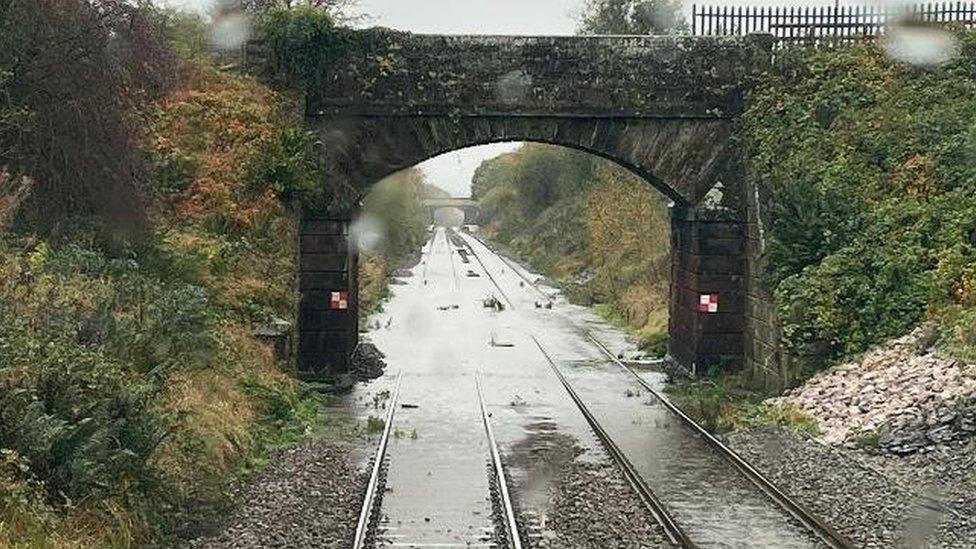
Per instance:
(903,397)
(894,464)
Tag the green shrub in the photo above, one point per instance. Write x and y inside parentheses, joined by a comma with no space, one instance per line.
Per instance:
(958,336)
(869,180)
(82,426)
(656,344)
(287,165)
(303,41)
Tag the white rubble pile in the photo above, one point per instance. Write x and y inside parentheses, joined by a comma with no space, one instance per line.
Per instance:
(905,392)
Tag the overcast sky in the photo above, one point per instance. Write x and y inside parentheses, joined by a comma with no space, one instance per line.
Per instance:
(453,171)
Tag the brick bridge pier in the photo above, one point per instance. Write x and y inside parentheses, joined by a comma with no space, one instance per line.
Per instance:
(662,107)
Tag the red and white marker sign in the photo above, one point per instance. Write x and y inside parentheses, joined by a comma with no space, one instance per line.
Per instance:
(708,303)
(340,301)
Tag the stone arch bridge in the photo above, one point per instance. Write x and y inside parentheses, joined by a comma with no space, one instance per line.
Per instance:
(662,107)
(469,206)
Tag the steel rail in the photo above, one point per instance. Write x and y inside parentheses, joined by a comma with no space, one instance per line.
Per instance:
(674,532)
(493,281)
(450,253)
(369,500)
(513,267)
(511,525)
(430,251)
(819,528)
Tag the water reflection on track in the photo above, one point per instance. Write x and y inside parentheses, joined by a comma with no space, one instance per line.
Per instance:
(710,496)
(437,492)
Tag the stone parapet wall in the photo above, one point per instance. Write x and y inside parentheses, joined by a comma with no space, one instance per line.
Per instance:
(387,73)
(662,107)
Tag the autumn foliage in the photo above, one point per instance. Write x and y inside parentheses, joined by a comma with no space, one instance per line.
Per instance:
(591,225)
(131,388)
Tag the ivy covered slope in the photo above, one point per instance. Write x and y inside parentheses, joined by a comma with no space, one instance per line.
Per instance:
(870,168)
(130,386)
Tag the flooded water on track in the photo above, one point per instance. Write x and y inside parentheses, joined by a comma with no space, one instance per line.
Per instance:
(437,331)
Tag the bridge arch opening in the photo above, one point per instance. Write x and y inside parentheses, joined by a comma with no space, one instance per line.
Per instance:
(451,217)
(662,107)
(445,194)
(705,260)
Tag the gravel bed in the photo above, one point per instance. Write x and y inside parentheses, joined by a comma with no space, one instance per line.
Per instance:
(863,500)
(946,474)
(590,505)
(309,497)
(593,508)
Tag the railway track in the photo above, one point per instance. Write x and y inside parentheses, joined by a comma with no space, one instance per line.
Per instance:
(512,535)
(506,523)
(819,529)
(490,276)
(370,508)
(455,278)
(369,515)
(515,268)
(656,507)
(823,531)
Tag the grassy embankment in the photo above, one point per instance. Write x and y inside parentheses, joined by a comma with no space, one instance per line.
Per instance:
(594,228)
(131,390)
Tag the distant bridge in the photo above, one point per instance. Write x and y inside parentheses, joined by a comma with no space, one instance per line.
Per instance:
(470,207)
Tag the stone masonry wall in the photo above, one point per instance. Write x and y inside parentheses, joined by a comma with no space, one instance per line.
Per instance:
(392,73)
(764,359)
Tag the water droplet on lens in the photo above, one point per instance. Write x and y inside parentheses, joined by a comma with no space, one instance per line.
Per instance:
(368,233)
(920,44)
(230,30)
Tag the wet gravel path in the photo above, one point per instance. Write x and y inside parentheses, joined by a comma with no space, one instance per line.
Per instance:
(309,497)
(870,502)
(594,509)
(589,504)
(948,475)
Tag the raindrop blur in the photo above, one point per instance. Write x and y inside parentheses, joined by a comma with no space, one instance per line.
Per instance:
(368,233)
(230,30)
(920,44)
(513,86)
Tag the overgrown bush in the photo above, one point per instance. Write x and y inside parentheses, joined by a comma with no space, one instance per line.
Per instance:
(73,77)
(303,43)
(130,387)
(871,180)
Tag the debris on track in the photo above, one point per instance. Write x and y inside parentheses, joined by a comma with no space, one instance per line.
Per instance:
(367,362)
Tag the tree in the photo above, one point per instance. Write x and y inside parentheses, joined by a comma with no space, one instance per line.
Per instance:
(632,17)
(492,173)
(395,204)
(75,73)
(338,9)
